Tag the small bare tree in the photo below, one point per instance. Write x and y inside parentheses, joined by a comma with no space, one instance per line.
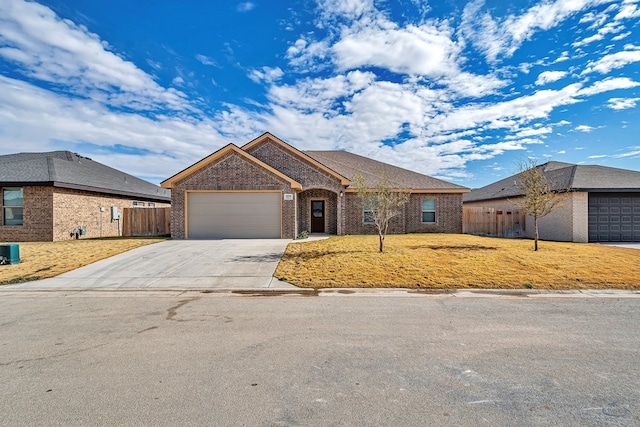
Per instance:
(383,201)
(540,197)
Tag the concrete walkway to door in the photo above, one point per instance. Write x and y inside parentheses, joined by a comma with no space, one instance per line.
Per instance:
(246,264)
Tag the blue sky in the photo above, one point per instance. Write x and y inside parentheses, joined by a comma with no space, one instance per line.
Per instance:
(460,90)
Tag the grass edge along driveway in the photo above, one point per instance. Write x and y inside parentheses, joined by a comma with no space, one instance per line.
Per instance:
(42,260)
(437,261)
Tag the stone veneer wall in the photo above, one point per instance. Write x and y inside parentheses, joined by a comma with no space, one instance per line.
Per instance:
(53,214)
(231,172)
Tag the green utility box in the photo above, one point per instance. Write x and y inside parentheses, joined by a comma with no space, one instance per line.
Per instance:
(9,254)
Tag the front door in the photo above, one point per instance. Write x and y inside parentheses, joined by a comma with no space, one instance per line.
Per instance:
(317,216)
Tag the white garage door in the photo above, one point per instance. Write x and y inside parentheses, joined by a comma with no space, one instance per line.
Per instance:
(241,215)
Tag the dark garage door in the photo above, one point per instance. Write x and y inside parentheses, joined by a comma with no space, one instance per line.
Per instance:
(614,217)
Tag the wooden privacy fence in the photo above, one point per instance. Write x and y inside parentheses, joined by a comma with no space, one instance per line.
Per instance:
(494,222)
(146,221)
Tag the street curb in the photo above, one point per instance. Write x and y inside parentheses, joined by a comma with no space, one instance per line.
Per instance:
(381,292)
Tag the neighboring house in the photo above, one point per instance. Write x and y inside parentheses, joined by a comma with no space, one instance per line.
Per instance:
(269,189)
(603,203)
(60,195)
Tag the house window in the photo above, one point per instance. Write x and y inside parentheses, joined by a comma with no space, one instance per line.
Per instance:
(151,205)
(429,210)
(12,205)
(367,213)
(141,204)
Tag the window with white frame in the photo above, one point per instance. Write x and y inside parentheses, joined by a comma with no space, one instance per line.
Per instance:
(428,210)
(368,212)
(12,206)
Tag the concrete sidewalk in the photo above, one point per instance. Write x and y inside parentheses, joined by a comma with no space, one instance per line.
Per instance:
(181,265)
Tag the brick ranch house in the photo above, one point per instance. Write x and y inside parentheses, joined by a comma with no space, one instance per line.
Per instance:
(602,204)
(59,195)
(269,189)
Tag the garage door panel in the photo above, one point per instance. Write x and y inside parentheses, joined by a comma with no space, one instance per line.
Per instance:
(233,215)
(614,217)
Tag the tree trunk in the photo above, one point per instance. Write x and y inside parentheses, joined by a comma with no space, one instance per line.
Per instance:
(381,242)
(535,232)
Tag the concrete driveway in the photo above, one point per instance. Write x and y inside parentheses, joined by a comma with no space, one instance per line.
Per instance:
(179,264)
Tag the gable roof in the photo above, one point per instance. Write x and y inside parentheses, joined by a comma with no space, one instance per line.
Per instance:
(303,154)
(350,165)
(69,170)
(170,182)
(564,176)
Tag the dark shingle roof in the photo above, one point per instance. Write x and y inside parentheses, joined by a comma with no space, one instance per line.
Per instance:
(70,170)
(350,165)
(564,176)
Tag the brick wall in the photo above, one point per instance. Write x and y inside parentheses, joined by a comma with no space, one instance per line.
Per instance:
(231,172)
(313,179)
(448,215)
(330,207)
(37,217)
(293,166)
(53,214)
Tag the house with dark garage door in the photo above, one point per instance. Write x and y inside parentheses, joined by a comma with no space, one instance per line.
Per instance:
(602,204)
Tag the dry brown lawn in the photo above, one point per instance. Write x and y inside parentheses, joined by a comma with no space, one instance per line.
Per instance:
(436,261)
(41,260)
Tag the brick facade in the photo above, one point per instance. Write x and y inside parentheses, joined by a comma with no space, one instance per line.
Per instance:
(231,172)
(295,167)
(330,207)
(230,169)
(448,215)
(53,214)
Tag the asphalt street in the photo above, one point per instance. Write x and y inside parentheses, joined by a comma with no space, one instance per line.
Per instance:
(194,358)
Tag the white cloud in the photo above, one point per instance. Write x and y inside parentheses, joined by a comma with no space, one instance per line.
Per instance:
(381,81)
(607,85)
(628,11)
(267,74)
(621,36)
(503,37)
(246,6)
(524,109)
(622,103)
(424,50)
(47,48)
(26,116)
(525,133)
(564,56)
(609,28)
(598,156)
(584,128)
(205,60)
(634,153)
(549,77)
(604,65)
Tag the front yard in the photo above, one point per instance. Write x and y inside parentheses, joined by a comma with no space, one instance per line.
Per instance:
(41,260)
(435,261)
